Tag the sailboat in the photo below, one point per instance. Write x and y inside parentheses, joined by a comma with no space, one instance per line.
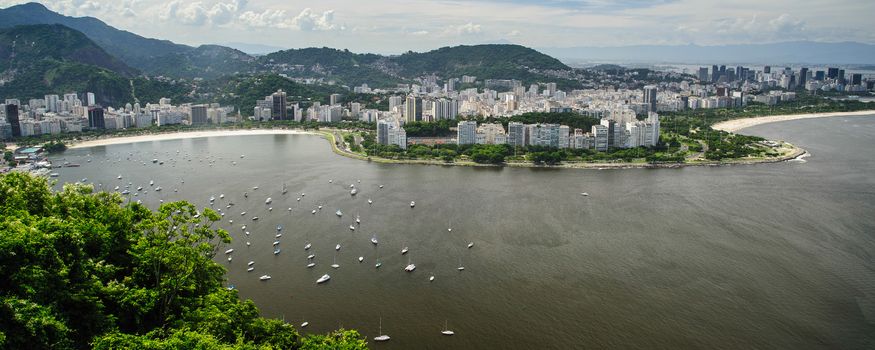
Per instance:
(370,201)
(323,279)
(460,268)
(337,247)
(446,330)
(374,240)
(268,200)
(381,336)
(404,250)
(307,246)
(284,188)
(351,227)
(470,244)
(338,213)
(335,264)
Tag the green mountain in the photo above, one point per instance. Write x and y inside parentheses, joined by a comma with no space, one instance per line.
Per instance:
(152,56)
(40,59)
(498,61)
(341,66)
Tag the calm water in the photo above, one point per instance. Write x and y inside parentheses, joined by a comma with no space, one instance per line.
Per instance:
(765,256)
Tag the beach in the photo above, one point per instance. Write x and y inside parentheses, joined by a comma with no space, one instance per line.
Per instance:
(738,124)
(185,135)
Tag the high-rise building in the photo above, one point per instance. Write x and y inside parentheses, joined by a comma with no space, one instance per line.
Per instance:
(198,114)
(12,119)
(832,73)
(413,109)
(89,97)
(95,118)
(803,76)
(279,111)
(703,74)
(767,69)
(516,134)
(841,76)
(466,133)
(334,99)
(856,79)
(715,73)
(650,97)
(395,101)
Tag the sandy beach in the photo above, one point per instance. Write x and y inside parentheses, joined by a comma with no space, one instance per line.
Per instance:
(185,135)
(738,124)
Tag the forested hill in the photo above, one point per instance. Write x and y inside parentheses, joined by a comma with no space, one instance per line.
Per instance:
(84,270)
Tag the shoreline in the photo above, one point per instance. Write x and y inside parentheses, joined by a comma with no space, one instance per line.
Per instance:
(106,141)
(735,125)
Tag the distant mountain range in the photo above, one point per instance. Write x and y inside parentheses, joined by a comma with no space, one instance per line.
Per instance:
(805,52)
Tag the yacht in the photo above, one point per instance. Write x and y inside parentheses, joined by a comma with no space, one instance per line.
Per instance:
(311,256)
(460,268)
(470,245)
(351,228)
(250,263)
(158,189)
(353,191)
(381,186)
(358,220)
(374,240)
(412,204)
(370,201)
(338,212)
(337,247)
(255,188)
(311,264)
(323,279)
(276,243)
(314,211)
(319,207)
(276,251)
(229,251)
(243,213)
(278,235)
(250,269)
(584,194)
(264,277)
(410,266)
(431,278)
(307,247)
(305,324)
(222,196)
(254,218)
(248,244)
(268,200)
(361,258)
(279,227)
(404,250)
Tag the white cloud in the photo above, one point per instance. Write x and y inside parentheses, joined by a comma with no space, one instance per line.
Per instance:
(307,20)
(513,33)
(419,33)
(266,19)
(465,29)
(197,13)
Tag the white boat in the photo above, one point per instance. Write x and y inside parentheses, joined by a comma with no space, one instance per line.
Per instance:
(323,279)
(230,221)
(140,188)
(276,243)
(158,189)
(446,330)
(361,258)
(119,177)
(303,194)
(470,244)
(374,240)
(370,201)
(404,250)
(431,278)
(243,213)
(337,247)
(330,181)
(250,263)
(254,218)
(222,196)
(319,207)
(307,247)
(248,244)
(276,251)
(584,194)
(305,324)
(334,265)
(278,235)
(460,268)
(229,251)
(412,204)
(338,213)
(381,336)
(270,209)
(358,220)
(151,183)
(381,186)
(351,186)
(311,256)
(243,227)
(353,191)
(230,258)
(250,269)
(242,155)
(351,228)
(255,188)
(378,264)
(279,227)
(264,277)
(268,200)
(299,199)
(410,266)
(314,211)
(311,264)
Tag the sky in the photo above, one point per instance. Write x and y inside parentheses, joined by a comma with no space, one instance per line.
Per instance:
(396,26)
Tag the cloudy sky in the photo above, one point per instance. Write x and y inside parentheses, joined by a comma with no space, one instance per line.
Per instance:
(394,26)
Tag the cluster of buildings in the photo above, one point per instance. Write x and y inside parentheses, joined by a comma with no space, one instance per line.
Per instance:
(56,114)
(608,134)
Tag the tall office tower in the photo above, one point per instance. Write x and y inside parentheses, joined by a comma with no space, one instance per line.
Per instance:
(841,76)
(856,79)
(95,118)
(279,111)
(803,76)
(334,99)
(832,73)
(819,75)
(413,109)
(12,119)
(466,133)
(198,114)
(715,73)
(89,97)
(738,73)
(703,74)
(767,69)
(650,97)
(516,134)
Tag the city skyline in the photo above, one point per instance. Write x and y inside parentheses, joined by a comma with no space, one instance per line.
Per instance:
(424,25)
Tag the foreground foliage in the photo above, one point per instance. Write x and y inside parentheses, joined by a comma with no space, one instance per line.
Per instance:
(80,269)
